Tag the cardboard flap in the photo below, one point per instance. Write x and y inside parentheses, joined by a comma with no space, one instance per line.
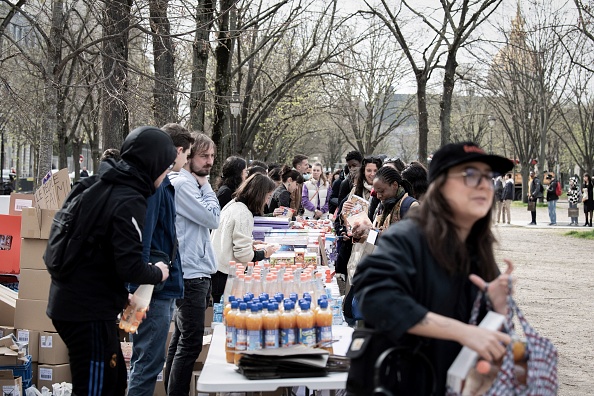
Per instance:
(6,375)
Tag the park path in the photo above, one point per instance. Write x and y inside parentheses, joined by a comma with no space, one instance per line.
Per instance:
(555,289)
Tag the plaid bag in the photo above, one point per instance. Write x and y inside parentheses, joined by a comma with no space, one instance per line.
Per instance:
(542,359)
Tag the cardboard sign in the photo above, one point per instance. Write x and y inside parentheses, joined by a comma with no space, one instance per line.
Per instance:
(53,192)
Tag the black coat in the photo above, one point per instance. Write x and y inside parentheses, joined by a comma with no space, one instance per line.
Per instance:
(400,282)
(96,288)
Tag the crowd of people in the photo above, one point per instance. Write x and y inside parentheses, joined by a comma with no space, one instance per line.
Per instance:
(423,239)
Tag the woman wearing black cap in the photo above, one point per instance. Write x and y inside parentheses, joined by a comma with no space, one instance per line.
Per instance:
(419,285)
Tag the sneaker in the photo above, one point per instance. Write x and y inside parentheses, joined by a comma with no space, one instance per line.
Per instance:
(508,222)
(533,223)
(552,224)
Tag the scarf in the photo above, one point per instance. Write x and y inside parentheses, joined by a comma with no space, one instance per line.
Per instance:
(386,208)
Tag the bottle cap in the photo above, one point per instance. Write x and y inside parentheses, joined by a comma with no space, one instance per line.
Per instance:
(242,306)
(235,304)
(304,305)
(323,303)
(231,298)
(254,308)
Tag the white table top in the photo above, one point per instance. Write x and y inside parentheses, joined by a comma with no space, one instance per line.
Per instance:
(220,376)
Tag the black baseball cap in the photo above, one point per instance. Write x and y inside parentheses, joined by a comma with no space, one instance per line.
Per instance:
(453,154)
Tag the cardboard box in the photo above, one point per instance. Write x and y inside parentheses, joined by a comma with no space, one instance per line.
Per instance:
(10,244)
(160,386)
(32,251)
(208,315)
(53,374)
(6,330)
(9,384)
(18,202)
(47,218)
(35,373)
(52,349)
(30,314)
(34,284)
(7,309)
(31,337)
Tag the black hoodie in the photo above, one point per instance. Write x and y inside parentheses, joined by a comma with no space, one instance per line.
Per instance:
(95,290)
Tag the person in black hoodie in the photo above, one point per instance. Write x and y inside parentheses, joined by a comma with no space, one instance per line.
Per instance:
(84,306)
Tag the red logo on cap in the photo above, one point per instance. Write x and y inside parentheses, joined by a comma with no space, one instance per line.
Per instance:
(473,149)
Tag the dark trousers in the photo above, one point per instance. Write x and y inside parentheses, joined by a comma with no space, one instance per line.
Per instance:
(219,280)
(186,341)
(533,213)
(96,361)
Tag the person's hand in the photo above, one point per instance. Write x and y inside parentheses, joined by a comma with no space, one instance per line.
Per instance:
(498,289)
(361,229)
(164,270)
(270,249)
(347,206)
(277,212)
(202,180)
(489,344)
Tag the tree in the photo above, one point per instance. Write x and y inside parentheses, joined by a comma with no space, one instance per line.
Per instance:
(362,100)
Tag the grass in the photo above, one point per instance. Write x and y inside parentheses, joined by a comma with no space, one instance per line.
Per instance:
(581,234)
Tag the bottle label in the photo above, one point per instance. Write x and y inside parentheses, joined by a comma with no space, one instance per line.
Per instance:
(241,340)
(324,334)
(271,338)
(254,340)
(307,336)
(287,337)
(231,337)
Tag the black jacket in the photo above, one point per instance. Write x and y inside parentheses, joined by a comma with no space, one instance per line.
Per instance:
(96,288)
(399,283)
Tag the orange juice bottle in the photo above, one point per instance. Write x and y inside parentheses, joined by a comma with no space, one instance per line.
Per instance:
(240,331)
(287,324)
(324,325)
(231,334)
(228,307)
(253,323)
(270,324)
(305,324)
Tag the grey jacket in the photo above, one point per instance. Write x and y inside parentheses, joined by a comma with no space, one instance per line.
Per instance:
(198,212)
(535,188)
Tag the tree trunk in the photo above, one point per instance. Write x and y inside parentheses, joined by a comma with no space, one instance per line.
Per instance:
(445,105)
(50,117)
(77,145)
(115,125)
(165,109)
(61,132)
(423,115)
(220,130)
(200,53)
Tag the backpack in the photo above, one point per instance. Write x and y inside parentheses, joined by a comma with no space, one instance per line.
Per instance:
(68,235)
(558,190)
(408,201)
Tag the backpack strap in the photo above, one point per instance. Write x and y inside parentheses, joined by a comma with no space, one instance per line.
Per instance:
(408,201)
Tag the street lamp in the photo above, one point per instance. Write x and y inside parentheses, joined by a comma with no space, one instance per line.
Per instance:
(491,121)
(234,106)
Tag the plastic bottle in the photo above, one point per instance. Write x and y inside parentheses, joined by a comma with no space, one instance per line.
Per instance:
(240,331)
(238,286)
(228,308)
(305,324)
(135,311)
(231,334)
(324,325)
(287,324)
(270,324)
(253,323)
(250,268)
(257,284)
(230,281)
(247,284)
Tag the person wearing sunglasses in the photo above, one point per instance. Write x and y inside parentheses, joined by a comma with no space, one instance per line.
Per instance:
(419,285)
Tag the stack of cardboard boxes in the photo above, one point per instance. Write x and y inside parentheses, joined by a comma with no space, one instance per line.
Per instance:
(48,352)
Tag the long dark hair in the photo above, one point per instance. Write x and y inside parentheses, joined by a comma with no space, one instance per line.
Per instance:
(232,173)
(416,174)
(287,172)
(436,220)
(252,192)
(360,179)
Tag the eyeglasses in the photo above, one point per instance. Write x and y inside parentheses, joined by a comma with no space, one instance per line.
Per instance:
(473,177)
(171,166)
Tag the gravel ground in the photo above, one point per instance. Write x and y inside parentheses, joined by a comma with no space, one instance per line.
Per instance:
(555,289)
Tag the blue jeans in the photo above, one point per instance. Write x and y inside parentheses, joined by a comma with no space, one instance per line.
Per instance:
(148,353)
(553,211)
(186,342)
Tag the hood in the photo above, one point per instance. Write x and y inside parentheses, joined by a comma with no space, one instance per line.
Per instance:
(150,150)
(146,153)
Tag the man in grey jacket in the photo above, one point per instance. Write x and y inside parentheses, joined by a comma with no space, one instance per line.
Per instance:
(535,192)
(198,212)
